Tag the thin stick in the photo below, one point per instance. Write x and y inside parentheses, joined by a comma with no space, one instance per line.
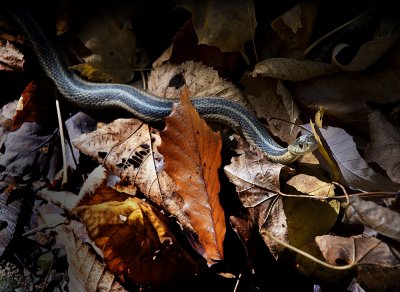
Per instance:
(374,194)
(62,139)
(307,255)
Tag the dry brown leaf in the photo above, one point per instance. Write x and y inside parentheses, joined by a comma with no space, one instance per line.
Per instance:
(113,49)
(337,93)
(296,25)
(263,96)
(292,70)
(370,51)
(288,102)
(384,145)
(85,271)
(192,156)
(201,80)
(136,242)
(377,263)
(11,58)
(257,180)
(374,216)
(227,25)
(128,149)
(357,250)
(124,147)
(308,218)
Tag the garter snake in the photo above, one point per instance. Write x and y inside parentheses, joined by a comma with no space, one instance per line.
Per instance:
(147,107)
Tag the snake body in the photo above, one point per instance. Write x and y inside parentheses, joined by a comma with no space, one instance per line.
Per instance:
(147,107)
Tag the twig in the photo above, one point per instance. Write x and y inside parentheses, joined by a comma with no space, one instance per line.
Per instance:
(366,194)
(307,255)
(237,283)
(62,139)
(45,282)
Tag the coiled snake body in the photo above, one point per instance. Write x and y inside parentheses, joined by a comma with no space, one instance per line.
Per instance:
(150,108)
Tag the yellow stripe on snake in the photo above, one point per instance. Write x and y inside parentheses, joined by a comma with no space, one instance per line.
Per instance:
(150,108)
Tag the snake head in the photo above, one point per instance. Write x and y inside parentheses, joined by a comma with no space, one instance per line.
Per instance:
(303,145)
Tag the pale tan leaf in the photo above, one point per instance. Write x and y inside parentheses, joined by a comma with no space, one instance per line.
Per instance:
(85,271)
(192,155)
(292,70)
(374,216)
(354,171)
(384,145)
(200,79)
(227,25)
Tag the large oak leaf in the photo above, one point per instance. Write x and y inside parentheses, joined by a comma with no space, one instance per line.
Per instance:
(191,152)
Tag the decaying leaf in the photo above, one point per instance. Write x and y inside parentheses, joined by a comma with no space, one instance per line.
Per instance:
(125,148)
(288,102)
(374,216)
(296,25)
(192,157)
(377,263)
(308,218)
(227,25)
(128,149)
(113,49)
(336,93)
(354,171)
(292,70)
(85,271)
(136,242)
(199,78)
(263,96)
(257,181)
(384,145)
(11,58)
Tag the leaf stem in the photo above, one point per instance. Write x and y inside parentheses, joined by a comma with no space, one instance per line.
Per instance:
(307,255)
(62,140)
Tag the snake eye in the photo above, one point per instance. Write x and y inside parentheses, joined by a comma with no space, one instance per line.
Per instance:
(301,145)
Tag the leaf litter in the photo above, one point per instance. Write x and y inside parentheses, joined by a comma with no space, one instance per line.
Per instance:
(147,207)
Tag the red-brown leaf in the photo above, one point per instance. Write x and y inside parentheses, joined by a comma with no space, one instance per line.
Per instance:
(192,155)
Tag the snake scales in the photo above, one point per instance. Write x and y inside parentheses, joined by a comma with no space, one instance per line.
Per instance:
(148,107)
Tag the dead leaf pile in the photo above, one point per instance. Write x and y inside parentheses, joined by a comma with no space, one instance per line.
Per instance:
(99,200)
